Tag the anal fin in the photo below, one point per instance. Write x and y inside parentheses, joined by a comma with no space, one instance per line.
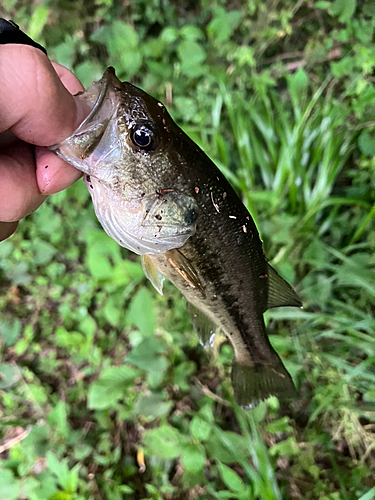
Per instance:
(280,293)
(204,327)
(152,273)
(253,383)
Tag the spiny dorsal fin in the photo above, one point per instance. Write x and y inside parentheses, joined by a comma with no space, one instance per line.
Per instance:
(205,328)
(185,268)
(152,273)
(280,293)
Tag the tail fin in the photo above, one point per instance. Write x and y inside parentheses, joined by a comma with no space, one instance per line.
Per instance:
(252,383)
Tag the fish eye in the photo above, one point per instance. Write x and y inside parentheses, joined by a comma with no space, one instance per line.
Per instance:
(143,137)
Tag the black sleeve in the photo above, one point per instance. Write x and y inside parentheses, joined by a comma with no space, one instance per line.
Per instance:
(10,33)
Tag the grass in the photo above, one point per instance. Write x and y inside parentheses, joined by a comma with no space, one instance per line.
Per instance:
(101,401)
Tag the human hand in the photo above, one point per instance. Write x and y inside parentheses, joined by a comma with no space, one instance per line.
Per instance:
(36,109)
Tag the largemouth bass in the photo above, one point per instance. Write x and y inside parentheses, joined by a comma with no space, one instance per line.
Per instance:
(157,193)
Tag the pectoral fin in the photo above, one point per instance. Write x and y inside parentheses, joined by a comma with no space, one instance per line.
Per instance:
(253,383)
(185,268)
(280,293)
(205,328)
(152,273)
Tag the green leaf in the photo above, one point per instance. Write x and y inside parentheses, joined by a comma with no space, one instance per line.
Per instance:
(370,495)
(281,425)
(202,423)
(9,486)
(366,142)
(122,43)
(181,372)
(288,447)
(110,386)
(344,9)
(191,55)
(298,82)
(58,419)
(193,457)
(102,252)
(9,375)
(88,72)
(226,446)
(164,442)
(142,312)
(147,355)
(38,21)
(152,406)
(43,252)
(231,479)
(322,5)
(10,330)
(223,24)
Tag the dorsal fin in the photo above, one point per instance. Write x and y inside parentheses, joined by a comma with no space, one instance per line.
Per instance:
(205,328)
(280,293)
(152,273)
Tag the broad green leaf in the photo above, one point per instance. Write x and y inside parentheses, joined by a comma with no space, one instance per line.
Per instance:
(366,142)
(226,446)
(147,355)
(298,82)
(164,442)
(202,423)
(9,375)
(9,485)
(10,330)
(288,448)
(88,72)
(191,55)
(142,312)
(193,457)
(152,406)
(110,386)
(344,9)
(121,39)
(223,24)
(44,252)
(231,478)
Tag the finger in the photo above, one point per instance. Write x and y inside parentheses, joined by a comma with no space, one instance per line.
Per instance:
(52,173)
(7,229)
(19,192)
(70,82)
(34,103)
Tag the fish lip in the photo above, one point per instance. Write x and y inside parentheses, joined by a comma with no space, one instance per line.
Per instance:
(104,83)
(109,79)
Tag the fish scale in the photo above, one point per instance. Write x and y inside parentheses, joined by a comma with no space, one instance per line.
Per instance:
(157,193)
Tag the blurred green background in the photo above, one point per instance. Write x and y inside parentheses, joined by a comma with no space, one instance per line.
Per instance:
(105,392)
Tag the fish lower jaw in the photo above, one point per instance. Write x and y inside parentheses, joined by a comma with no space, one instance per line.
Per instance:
(123,220)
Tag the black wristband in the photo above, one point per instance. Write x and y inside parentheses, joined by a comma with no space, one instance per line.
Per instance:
(10,33)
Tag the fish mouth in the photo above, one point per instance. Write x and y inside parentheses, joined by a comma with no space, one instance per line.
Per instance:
(95,97)
(102,97)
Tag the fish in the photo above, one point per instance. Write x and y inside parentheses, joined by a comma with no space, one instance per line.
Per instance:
(156,193)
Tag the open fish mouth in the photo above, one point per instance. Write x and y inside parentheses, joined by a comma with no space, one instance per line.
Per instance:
(102,98)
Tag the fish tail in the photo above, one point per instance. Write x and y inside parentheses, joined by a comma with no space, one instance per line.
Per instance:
(255,382)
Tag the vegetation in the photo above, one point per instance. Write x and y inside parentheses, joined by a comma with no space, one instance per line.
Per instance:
(105,391)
